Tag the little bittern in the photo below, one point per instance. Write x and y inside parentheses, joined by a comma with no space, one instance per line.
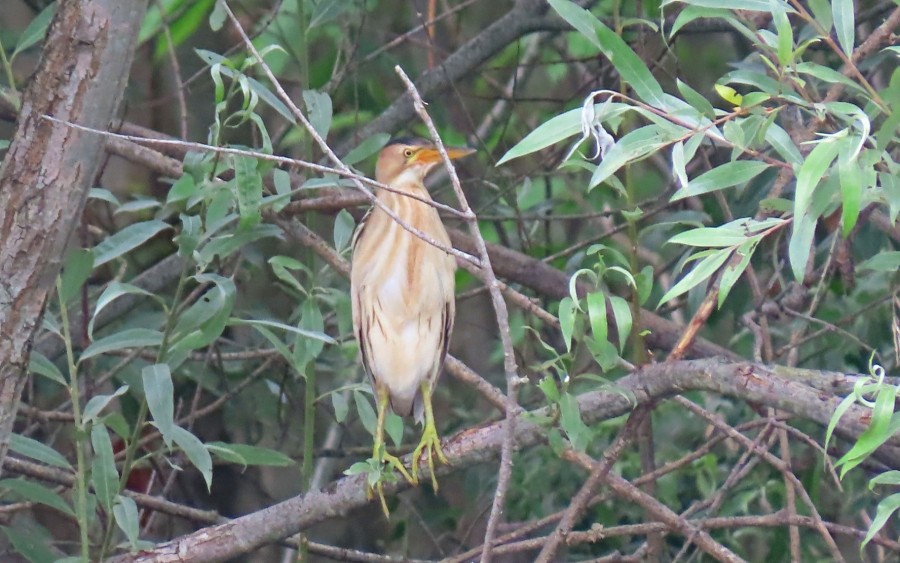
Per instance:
(402,293)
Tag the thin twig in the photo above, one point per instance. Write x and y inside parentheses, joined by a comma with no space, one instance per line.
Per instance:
(502,314)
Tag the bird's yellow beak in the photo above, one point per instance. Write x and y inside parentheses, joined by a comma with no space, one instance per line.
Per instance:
(431,154)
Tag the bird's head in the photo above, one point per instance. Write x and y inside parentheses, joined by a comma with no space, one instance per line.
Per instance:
(414,155)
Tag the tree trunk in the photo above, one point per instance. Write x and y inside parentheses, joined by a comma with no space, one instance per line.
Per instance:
(49,167)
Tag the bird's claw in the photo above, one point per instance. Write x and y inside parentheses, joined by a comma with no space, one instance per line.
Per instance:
(386,462)
(430,445)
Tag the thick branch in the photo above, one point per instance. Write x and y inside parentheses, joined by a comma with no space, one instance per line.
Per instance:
(743,381)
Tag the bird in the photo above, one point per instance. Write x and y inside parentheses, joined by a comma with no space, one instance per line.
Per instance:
(402,291)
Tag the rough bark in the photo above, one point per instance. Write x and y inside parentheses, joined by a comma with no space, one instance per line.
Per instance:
(49,167)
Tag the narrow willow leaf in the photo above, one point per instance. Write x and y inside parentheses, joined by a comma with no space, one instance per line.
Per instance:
(195,451)
(76,270)
(344,225)
(844,24)
(125,512)
(701,272)
(318,107)
(129,338)
(104,476)
(127,240)
(35,31)
(885,261)
(35,492)
(95,406)
(30,447)
(160,395)
(630,67)
(622,314)
(724,176)
(365,411)
(113,291)
(567,320)
(548,133)
(632,147)
(851,193)
(884,511)
(735,267)
(596,305)
(367,148)
(678,165)
(248,185)
(809,176)
(246,454)
(696,100)
(755,5)
(39,364)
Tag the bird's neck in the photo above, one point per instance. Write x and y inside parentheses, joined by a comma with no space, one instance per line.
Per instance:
(405,183)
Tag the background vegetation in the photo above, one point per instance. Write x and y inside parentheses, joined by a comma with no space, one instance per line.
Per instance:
(691,208)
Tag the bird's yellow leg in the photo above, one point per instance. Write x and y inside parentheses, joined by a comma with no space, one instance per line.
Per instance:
(380,454)
(430,442)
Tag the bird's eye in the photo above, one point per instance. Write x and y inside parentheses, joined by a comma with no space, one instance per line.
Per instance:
(407,153)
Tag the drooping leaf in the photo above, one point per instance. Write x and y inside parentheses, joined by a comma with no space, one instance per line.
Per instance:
(30,447)
(195,451)
(159,392)
(128,338)
(127,240)
(104,475)
(35,492)
(127,517)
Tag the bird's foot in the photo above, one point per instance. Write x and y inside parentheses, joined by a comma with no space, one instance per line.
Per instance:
(385,463)
(430,445)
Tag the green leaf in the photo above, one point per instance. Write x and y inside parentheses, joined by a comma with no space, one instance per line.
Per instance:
(844,24)
(140,204)
(282,181)
(549,133)
(127,517)
(570,420)
(31,542)
(35,31)
(245,454)
(95,406)
(622,314)
(809,176)
(696,100)
(875,435)
(104,195)
(248,184)
(886,261)
(319,110)
(701,272)
(217,19)
(341,406)
(567,320)
(113,291)
(630,67)
(126,240)
(104,475)
(735,267)
(851,193)
(35,492)
(160,395)
(344,225)
(367,148)
(315,335)
(884,511)
(596,304)
(205,320)
(76,270)
(128,338)
(39,364)
(393,426)
(630,148)
(183,188)
(195,451)
(33,449)
(725,176)
(366,413)
(755,5)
